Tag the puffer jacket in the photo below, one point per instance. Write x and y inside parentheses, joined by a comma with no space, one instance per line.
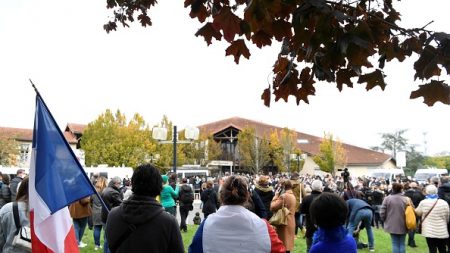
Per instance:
(435,224)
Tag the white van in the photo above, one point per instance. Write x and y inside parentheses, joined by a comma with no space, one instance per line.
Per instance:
(422,175)
(185,173)
(109,172)
(388,174)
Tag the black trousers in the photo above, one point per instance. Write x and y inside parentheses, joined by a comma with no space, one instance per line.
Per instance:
(184,212)
(435,244)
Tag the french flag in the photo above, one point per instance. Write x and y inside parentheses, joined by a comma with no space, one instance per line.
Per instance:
(56,180)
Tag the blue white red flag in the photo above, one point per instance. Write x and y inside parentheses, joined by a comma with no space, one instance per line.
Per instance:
(56,180)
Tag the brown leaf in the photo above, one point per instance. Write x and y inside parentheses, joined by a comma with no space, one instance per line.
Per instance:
(307,87)
(426,66)
(266,97)
(144,19)
(208,32)
(433,92)
(373,79)
(110,26)
(238,48)
(229,23)
(343,77)
(201,13)
(281,29)
(280,65)
(261,39)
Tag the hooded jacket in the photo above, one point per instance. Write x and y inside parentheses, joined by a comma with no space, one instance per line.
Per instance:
(154,229)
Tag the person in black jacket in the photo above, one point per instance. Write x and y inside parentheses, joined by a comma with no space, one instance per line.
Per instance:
(112,197)
(444,193)
(15,183)
(316,187)
(416,196)
(186,200)
(140,223)
(265,192)
(209,199)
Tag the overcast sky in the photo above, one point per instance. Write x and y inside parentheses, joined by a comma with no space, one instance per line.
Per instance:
(165,70)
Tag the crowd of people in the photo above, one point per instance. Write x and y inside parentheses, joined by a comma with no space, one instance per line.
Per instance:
(139,214)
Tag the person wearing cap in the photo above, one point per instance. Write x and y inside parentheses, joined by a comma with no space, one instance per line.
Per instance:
(416,196)
(167,196)
(316,190)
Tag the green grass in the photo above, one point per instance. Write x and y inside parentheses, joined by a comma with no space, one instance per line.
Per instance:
(382,242)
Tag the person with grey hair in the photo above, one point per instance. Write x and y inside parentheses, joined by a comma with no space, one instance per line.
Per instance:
(316,190)
(112,196)
(435,216)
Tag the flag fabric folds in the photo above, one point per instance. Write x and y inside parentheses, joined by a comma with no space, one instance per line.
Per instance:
(56,180)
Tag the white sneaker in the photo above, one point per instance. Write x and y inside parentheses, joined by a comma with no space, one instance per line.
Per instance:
(82,245)
(96,247)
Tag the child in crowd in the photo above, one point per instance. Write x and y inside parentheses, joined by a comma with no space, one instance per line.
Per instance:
(197,220)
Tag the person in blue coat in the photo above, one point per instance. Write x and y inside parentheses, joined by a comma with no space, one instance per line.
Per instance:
(329,213)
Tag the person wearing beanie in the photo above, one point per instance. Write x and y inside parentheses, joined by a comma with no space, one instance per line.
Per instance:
(265,192)
(167,196)
(316,190)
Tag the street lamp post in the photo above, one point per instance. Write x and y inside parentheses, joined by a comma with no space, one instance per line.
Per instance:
(160,134)
(298,157)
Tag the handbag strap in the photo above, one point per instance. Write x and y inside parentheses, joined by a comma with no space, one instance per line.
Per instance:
(430,210)
(16,216)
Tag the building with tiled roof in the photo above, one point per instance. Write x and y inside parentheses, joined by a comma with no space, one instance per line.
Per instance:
(24,138)
(359,160)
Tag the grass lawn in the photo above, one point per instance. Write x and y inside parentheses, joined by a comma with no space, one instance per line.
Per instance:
(382,242)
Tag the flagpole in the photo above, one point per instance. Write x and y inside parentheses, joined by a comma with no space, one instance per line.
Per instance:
(68,146)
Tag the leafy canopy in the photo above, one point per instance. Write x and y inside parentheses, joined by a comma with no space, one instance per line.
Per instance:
(8,150)
(339,42)
(332,155)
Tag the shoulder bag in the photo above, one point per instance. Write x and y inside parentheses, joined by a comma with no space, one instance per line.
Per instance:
(280,217)
(22,238)
(419,228)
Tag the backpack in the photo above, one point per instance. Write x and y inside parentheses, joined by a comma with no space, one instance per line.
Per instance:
(410,216)
(187,195)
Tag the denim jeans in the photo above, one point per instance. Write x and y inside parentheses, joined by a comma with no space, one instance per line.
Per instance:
(79,226)
(172,210)
(105,241)
(398,243)
(364,216)
(97,232)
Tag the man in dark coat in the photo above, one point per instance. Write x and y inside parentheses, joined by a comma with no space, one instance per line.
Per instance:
(112,196)
(444,193)
(186,200)
(316,190)
(140,223)
(15,183)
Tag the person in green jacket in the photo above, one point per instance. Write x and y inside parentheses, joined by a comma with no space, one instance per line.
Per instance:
(168,195)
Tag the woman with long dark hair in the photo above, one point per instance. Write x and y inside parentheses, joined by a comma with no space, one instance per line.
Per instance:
(7,225)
